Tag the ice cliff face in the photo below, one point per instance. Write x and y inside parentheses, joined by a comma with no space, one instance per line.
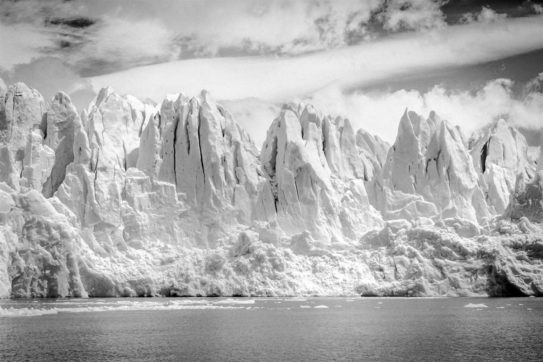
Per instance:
(130,199)
(316,174)
(430,164)
(501,155)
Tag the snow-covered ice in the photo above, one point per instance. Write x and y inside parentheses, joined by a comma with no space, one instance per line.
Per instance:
(130,199)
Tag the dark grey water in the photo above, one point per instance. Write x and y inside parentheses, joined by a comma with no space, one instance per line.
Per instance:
(314,329)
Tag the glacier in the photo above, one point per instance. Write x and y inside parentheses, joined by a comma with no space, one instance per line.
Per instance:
(130,199)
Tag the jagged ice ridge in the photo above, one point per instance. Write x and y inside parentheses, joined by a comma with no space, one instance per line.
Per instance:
(132,199)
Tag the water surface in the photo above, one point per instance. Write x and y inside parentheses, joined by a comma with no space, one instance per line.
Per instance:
(272,329)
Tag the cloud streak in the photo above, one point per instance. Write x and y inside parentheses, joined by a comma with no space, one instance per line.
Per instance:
(212,27)
(101,36)
(279,79)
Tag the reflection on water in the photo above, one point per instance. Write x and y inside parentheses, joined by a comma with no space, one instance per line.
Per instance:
(272,329)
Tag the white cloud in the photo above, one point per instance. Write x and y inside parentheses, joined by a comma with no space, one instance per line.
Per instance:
(120,41)
(376,113)
(380,112)
(21,43)
(50,75)
(486,15)
(288,27)
(254,115)
(280,79)
(413,15)
(31,28)
(534,85)
(132,32)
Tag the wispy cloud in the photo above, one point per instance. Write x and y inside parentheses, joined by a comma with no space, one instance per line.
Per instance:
(296,27)
(88,42)
(19,43)
(486,15)
(50,75)
(216,27)
(309,49)
(413,15)
(254,115)
(284,78)
(379,113)
(101,36)
(119,43)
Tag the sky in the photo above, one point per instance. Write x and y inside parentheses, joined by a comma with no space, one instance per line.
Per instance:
(471,61)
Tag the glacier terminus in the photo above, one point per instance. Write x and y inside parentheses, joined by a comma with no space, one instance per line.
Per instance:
(131,199)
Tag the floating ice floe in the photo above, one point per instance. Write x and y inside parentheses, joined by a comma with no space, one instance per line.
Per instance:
(296,299)
(125,307)
(476,305)
(235,301)
(25,312)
